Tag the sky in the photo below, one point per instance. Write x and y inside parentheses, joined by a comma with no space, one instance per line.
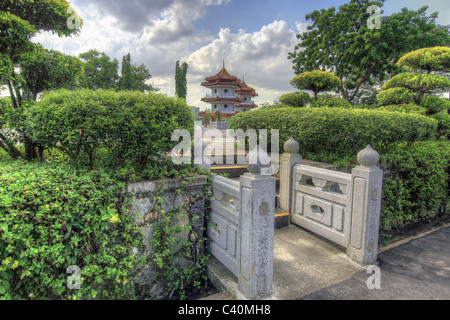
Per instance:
(252,37)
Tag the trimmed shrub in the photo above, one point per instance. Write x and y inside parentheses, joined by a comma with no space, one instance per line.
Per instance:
(404,108)
(435,104)
(295,99)
(52,217)
(330,134)
(395,96)
(443,129)
(126,126)
(326,101)
(417,183)
(366,106)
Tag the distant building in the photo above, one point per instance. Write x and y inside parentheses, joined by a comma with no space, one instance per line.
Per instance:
(229,96)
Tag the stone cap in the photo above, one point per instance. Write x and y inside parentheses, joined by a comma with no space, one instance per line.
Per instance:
(368,157)
(291,146)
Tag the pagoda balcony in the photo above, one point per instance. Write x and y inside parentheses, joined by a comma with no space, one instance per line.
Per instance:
(221,96)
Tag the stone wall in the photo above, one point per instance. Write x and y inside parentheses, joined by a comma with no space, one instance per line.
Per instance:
(185,196)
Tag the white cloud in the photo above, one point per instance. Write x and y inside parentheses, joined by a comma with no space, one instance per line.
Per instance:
(261,57)
(164,33)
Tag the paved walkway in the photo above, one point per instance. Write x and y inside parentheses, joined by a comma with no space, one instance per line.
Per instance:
(310,268)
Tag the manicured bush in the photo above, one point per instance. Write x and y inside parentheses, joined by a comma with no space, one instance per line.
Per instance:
(330,134)
(443,130)
(366,106)
(295,99)
(52,217)
(435,104)
(404,108)
(326,101)
(128,126)
(317,81)
(417,183)
(395,96)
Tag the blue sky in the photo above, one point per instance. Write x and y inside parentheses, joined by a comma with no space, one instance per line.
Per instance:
(253,37)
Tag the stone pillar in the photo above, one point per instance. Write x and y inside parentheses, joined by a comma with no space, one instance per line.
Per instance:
(367,180)
(256,228)
(288,160)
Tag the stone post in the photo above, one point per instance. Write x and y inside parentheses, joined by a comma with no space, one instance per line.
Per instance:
(256,228)
(367,180)
(288,160)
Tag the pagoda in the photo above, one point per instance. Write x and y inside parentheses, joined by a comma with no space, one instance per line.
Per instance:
(229,95)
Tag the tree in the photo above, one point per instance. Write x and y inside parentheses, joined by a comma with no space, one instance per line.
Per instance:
(340,41)
(48,69)
(19,22)
(134,77)
(295,99)
(99,71)
(317,81)
(423,81)
(181,80)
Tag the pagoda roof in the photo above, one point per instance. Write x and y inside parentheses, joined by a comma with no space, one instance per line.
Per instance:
(246,106)
(222,78)
(246,90)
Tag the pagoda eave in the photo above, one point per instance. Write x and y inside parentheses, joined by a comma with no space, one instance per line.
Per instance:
(246,106)
(223,100)
(220,84)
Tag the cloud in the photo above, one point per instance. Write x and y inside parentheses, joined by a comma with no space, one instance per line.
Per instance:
(166,34)
(260,57)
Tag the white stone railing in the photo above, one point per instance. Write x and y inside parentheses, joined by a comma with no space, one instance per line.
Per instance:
(344,208)
(242,223)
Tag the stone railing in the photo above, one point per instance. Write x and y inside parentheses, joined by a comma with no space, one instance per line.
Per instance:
(241,226)
(342,207)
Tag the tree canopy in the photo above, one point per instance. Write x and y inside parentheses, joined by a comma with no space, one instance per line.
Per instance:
(19,22)
(317,81)
(99,71)
(48,69)
(339,41)
(424,80)
(134,77)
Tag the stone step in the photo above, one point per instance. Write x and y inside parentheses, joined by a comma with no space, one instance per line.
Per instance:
(282,218)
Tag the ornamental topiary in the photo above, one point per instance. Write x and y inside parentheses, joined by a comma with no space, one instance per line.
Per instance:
(295,99)
(317,81)
(327,101)
(104,125)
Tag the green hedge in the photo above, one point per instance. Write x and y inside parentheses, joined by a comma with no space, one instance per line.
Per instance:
(416,184)
(52,217)
(330,134)
(120,126)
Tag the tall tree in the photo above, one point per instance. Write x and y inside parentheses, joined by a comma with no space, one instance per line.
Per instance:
(19,22)
(134,77)
(99,71)
(181,80)
(340,41)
